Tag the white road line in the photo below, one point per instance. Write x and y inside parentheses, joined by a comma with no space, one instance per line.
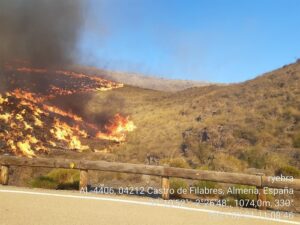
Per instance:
(152,204)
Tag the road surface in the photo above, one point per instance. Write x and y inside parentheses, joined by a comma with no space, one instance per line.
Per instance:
(22,206)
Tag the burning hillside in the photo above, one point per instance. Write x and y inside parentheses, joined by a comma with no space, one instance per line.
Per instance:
(54,82)
(30,124)
(38,39)
(26,129)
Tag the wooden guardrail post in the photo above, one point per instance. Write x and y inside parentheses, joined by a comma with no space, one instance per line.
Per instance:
(261,196)
(165,184)
(4,175)
(84,179)
(261,199)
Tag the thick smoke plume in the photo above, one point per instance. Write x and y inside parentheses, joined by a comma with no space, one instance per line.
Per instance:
(42,32)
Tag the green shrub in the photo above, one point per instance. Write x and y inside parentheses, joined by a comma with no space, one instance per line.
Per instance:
(204,167)
(227,163)
(275,161)
(176,184)
(176,162)
(64,175)
(292,113)
(207,184)
(204,150)
(254,156)
(247,134)
(57,179)
(288,171)
(296,141)
(43,182)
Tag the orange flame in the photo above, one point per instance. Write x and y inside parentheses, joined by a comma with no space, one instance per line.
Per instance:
(117,128)
(61,112)
(64,132)
(18,93)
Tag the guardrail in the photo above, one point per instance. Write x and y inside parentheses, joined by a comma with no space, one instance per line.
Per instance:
(259,181)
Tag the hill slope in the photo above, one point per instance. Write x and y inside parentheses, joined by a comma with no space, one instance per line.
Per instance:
(230,128)
(139,80)
(254,124)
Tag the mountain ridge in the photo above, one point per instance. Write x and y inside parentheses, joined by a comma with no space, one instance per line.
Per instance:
(140,80)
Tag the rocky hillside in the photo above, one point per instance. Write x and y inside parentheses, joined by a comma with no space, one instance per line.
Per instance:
(254,125)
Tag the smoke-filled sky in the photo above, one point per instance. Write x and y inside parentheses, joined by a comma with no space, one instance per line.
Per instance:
(214,40)
(42,32)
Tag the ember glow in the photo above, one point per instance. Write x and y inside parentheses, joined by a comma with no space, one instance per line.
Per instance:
(31,125)
(31,70)
(102,84)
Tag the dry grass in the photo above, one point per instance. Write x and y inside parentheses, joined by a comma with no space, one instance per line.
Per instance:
(261,114)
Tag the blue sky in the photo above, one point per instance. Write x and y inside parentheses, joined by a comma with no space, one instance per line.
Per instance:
(211,40)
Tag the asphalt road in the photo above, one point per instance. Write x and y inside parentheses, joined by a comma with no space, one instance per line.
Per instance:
(22,206)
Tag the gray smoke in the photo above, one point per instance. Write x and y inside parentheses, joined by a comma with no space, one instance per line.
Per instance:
(43,32)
